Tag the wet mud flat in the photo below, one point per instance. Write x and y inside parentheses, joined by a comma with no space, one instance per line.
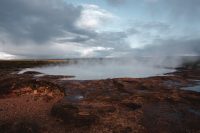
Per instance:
(49,104)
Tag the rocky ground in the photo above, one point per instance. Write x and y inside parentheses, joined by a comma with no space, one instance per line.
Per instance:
(48,104)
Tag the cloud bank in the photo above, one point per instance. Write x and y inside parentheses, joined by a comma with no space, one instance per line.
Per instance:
(59,29)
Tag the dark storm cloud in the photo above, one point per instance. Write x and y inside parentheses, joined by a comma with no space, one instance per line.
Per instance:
(37,20)
(30,28)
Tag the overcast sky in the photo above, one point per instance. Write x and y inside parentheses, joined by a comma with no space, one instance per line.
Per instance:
(98,28)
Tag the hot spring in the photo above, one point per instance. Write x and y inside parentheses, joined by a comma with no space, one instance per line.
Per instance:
(103,69)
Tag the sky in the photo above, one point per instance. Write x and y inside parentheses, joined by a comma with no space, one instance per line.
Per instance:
(42,29)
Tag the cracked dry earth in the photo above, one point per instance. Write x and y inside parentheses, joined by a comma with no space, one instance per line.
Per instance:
(46,104)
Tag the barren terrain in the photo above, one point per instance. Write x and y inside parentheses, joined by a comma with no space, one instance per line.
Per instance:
(48,104)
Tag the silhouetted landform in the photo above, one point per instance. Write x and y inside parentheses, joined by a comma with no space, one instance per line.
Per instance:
(41,104)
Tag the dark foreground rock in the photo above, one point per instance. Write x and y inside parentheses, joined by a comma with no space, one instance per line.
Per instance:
(21,126)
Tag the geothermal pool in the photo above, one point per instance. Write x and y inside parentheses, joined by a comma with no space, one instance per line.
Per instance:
(103,70)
